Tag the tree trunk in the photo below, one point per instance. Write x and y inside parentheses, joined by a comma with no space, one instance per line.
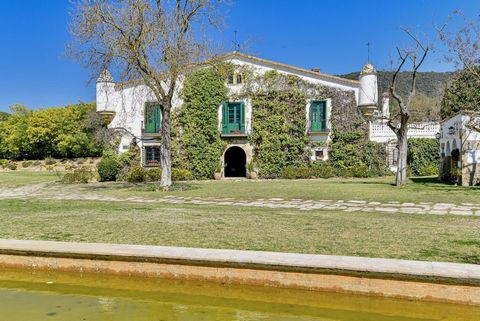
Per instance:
(166,154)
(401,177)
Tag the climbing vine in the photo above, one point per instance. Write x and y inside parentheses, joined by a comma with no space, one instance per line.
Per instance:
(196,143)
(278,134)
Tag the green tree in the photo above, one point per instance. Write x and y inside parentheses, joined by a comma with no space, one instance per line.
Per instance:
(463,94)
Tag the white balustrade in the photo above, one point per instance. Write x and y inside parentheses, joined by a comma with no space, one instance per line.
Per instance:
(380,132)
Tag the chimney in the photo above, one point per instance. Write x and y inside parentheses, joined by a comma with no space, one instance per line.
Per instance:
(316,70)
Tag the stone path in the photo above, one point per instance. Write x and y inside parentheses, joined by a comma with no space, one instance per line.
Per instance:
(42,191)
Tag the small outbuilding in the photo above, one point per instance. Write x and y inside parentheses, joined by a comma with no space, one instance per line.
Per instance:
(460,149)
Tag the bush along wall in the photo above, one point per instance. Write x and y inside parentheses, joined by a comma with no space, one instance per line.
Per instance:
(354,155)
(423,156)
(196,142)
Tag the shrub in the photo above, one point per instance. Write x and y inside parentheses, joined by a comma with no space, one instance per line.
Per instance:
(50,161)
(69,167)
(26,164)
(181,174)
(136,174)
(4,163)
(37,163)
(423,156)
(428,170)
(108,167)
(130,157)
(12,166)
(292,172)
(154,174)
(323,170)
(360,171)
(80,161)
(80,175)
(345,172)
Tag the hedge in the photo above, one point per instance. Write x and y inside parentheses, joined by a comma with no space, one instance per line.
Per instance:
(423,156)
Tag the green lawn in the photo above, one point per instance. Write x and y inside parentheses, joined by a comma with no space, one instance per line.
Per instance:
(18,178)
(425,189)
(407,236)
(370,189)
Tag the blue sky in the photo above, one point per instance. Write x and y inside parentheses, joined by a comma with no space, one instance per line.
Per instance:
(328,34)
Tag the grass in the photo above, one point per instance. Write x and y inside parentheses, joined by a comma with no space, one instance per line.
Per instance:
(421,189)
(19,178)
(426,189)
(405,236)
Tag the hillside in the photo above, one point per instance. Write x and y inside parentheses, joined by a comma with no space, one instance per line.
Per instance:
(430,87)
(430,84)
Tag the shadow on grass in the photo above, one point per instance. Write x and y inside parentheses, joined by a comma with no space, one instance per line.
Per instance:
(434,183)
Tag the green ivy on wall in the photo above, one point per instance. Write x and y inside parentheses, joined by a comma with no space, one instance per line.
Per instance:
(423,156)
(278,131)
(196,143)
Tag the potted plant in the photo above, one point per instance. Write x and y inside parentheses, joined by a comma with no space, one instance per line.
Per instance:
(218,172)
(251,173)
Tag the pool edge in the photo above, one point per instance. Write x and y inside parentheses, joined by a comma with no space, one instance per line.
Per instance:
(417,280)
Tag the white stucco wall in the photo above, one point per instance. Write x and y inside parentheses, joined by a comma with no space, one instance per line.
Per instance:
(454,132)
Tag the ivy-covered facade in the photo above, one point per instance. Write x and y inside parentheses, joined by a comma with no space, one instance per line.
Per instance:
(243,117)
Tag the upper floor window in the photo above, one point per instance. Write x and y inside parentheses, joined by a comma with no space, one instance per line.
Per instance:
(153,118)
(233,118)
(235,79)
(318,116)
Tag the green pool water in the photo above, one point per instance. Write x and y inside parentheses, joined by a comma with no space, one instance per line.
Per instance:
(38,296)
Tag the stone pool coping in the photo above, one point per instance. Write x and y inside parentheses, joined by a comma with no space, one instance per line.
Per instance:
(421,270)
(437,281)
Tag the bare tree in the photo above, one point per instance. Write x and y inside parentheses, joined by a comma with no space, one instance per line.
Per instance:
(463,44)
(399,122)
(154,41)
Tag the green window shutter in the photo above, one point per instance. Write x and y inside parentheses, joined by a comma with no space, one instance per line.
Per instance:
(158,118)
(323,115)
(225,118)
(149,119)
(318,116)
(242,117)
(153,118)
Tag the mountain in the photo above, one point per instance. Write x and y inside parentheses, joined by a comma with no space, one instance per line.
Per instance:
(430,84)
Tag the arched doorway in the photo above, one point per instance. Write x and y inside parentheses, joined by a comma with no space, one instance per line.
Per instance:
(235,161)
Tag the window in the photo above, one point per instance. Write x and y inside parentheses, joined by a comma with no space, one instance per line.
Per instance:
(318,116)
(153,118)
(151,155)
(234,79)
(319,154)
(233,118)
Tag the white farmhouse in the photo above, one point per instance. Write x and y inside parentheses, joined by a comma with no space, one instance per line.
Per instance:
(131,109)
